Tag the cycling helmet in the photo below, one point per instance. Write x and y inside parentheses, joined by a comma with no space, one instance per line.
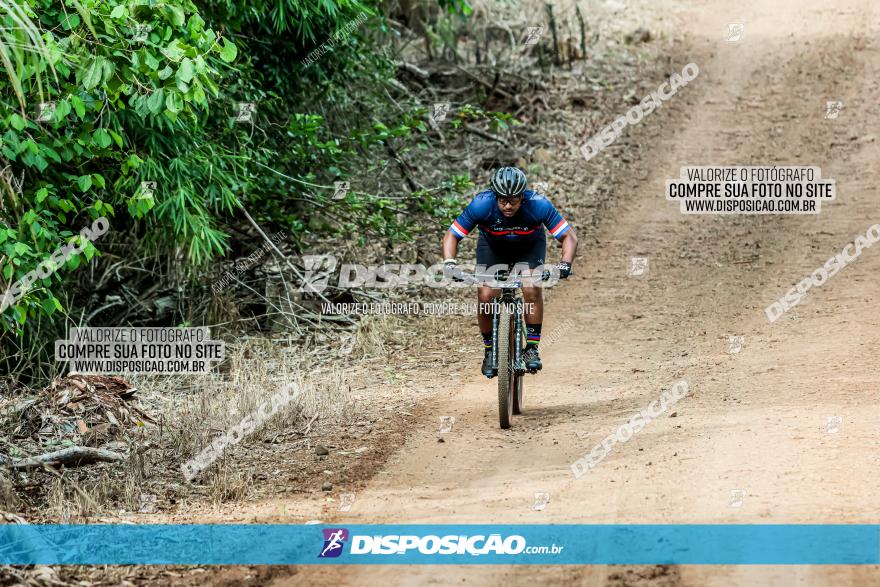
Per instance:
(508,182)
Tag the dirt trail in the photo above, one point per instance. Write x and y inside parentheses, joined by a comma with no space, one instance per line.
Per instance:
(754,421)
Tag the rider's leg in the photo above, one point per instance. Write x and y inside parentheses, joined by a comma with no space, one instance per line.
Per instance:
(534,300)
(485,257)
(534,310)
(534,314)
(485,295)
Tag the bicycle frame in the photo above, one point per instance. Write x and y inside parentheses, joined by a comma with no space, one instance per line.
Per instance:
(508,296)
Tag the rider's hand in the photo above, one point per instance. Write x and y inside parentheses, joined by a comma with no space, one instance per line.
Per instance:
(450,269)
(564,270)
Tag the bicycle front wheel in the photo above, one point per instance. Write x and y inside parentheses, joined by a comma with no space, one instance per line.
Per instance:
(506,372)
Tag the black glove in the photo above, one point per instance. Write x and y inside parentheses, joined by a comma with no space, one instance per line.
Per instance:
(564,270)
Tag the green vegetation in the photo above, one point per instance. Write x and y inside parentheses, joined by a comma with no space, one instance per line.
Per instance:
(132,110)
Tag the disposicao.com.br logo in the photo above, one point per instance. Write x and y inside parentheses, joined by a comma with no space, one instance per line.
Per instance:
(394,544)
(334,540)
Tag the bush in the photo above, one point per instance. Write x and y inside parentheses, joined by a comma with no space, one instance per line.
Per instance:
(127,110)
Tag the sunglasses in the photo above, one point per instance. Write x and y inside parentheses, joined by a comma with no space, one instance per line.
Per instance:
(509,200)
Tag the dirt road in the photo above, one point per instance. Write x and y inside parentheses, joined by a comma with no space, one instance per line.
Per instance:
(755,422)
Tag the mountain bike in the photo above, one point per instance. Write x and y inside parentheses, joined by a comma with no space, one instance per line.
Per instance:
(508,340)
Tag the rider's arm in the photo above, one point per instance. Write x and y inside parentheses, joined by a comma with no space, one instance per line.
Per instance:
(461,227)
(450,245)
(555,223)
(469,218)
(569,243)
(561,231)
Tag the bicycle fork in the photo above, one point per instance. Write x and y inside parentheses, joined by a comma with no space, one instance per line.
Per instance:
(496,320)
(518,363)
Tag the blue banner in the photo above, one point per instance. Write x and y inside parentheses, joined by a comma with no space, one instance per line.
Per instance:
(440,544)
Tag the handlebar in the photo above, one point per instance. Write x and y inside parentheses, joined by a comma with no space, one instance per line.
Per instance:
(498,280)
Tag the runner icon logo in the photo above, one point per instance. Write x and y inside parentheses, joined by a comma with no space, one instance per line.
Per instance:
(441,109)
(341,188)
(533,35)
(832,109)
(735,31)
(317,272)
(334,540)
(735,344)
(638,266)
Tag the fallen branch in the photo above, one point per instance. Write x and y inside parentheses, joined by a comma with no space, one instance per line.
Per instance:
(404,168)
(283,256)
(327,317)
(73,456)
(414,70)
(312,421)
(485,135)
(492,88)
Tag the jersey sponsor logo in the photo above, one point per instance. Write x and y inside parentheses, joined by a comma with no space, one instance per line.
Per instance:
(498,230)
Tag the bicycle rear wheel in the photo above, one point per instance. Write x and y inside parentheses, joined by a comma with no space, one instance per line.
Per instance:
(506,373)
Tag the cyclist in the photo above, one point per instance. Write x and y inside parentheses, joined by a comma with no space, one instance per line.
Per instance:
(511,219)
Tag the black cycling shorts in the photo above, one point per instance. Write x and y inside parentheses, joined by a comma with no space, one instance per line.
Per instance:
(510,253)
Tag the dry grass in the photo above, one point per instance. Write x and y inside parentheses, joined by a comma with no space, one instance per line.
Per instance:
(258,369)
(72,501)
(9,500)
(228,483)
(193,411)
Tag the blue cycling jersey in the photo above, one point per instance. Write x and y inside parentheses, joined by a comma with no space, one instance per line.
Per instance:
(527,224)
